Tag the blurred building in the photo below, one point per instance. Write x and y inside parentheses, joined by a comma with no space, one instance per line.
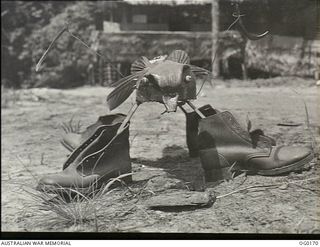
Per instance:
(155,15)
(131,28)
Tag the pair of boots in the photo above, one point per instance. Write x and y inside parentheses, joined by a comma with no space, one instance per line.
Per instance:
(224,147)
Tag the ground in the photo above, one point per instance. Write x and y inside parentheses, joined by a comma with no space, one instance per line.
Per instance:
(30,135)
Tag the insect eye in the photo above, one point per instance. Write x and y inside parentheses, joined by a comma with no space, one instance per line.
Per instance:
(188,78)
(144,80)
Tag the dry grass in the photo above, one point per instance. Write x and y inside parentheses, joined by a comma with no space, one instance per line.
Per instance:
(122,212)
(66,207)
(275,185)
(69,207)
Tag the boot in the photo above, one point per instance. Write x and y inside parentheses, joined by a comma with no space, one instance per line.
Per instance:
(104,155)
(225,147)
(192,124)
(192,129)
(71,140)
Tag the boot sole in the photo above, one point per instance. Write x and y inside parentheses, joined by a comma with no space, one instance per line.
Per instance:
(82,191)
(286,169)
(218,175)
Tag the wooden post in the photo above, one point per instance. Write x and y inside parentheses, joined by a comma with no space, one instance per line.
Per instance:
(215,33)
(243,55)
(124,20)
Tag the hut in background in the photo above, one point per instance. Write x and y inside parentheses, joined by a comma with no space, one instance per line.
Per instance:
(128,29)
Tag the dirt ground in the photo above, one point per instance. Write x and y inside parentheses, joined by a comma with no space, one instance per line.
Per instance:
(30,134)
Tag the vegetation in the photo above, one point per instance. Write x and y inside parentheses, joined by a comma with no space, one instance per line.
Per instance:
(28,27)
(27,30)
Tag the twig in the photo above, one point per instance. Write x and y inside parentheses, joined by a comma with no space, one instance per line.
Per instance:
(42,159)
(313,139)
(230,169)
(127,211)
(134,137)
(299,223)
(141,190)
(113,180)
(25,167)
(96,220)
(249,123)
(246,188)
(134,227)
(289,124)
(144,211)
(245,177)
(266,186)
(307,189)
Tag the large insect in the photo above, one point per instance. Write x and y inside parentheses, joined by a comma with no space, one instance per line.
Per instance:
(170,80)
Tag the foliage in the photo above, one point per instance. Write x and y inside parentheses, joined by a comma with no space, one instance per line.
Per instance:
(19,19)
(30,27)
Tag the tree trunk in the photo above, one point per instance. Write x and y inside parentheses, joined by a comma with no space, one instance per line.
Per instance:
(215,33)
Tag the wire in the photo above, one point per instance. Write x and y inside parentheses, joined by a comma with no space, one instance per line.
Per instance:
(97,53)
(237,15)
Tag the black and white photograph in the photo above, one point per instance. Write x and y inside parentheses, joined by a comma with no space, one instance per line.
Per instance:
(161,116)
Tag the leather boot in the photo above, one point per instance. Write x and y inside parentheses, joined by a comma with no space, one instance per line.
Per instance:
(104,155)
(225,147)
(192,129)
(71,140)
(192,125)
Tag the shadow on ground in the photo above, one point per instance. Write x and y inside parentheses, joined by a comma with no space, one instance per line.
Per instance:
(177,163)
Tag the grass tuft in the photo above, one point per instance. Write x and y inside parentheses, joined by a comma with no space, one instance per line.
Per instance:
(69,207)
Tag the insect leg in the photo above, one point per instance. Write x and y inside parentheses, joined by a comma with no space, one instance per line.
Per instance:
(128,117)
(195,109)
